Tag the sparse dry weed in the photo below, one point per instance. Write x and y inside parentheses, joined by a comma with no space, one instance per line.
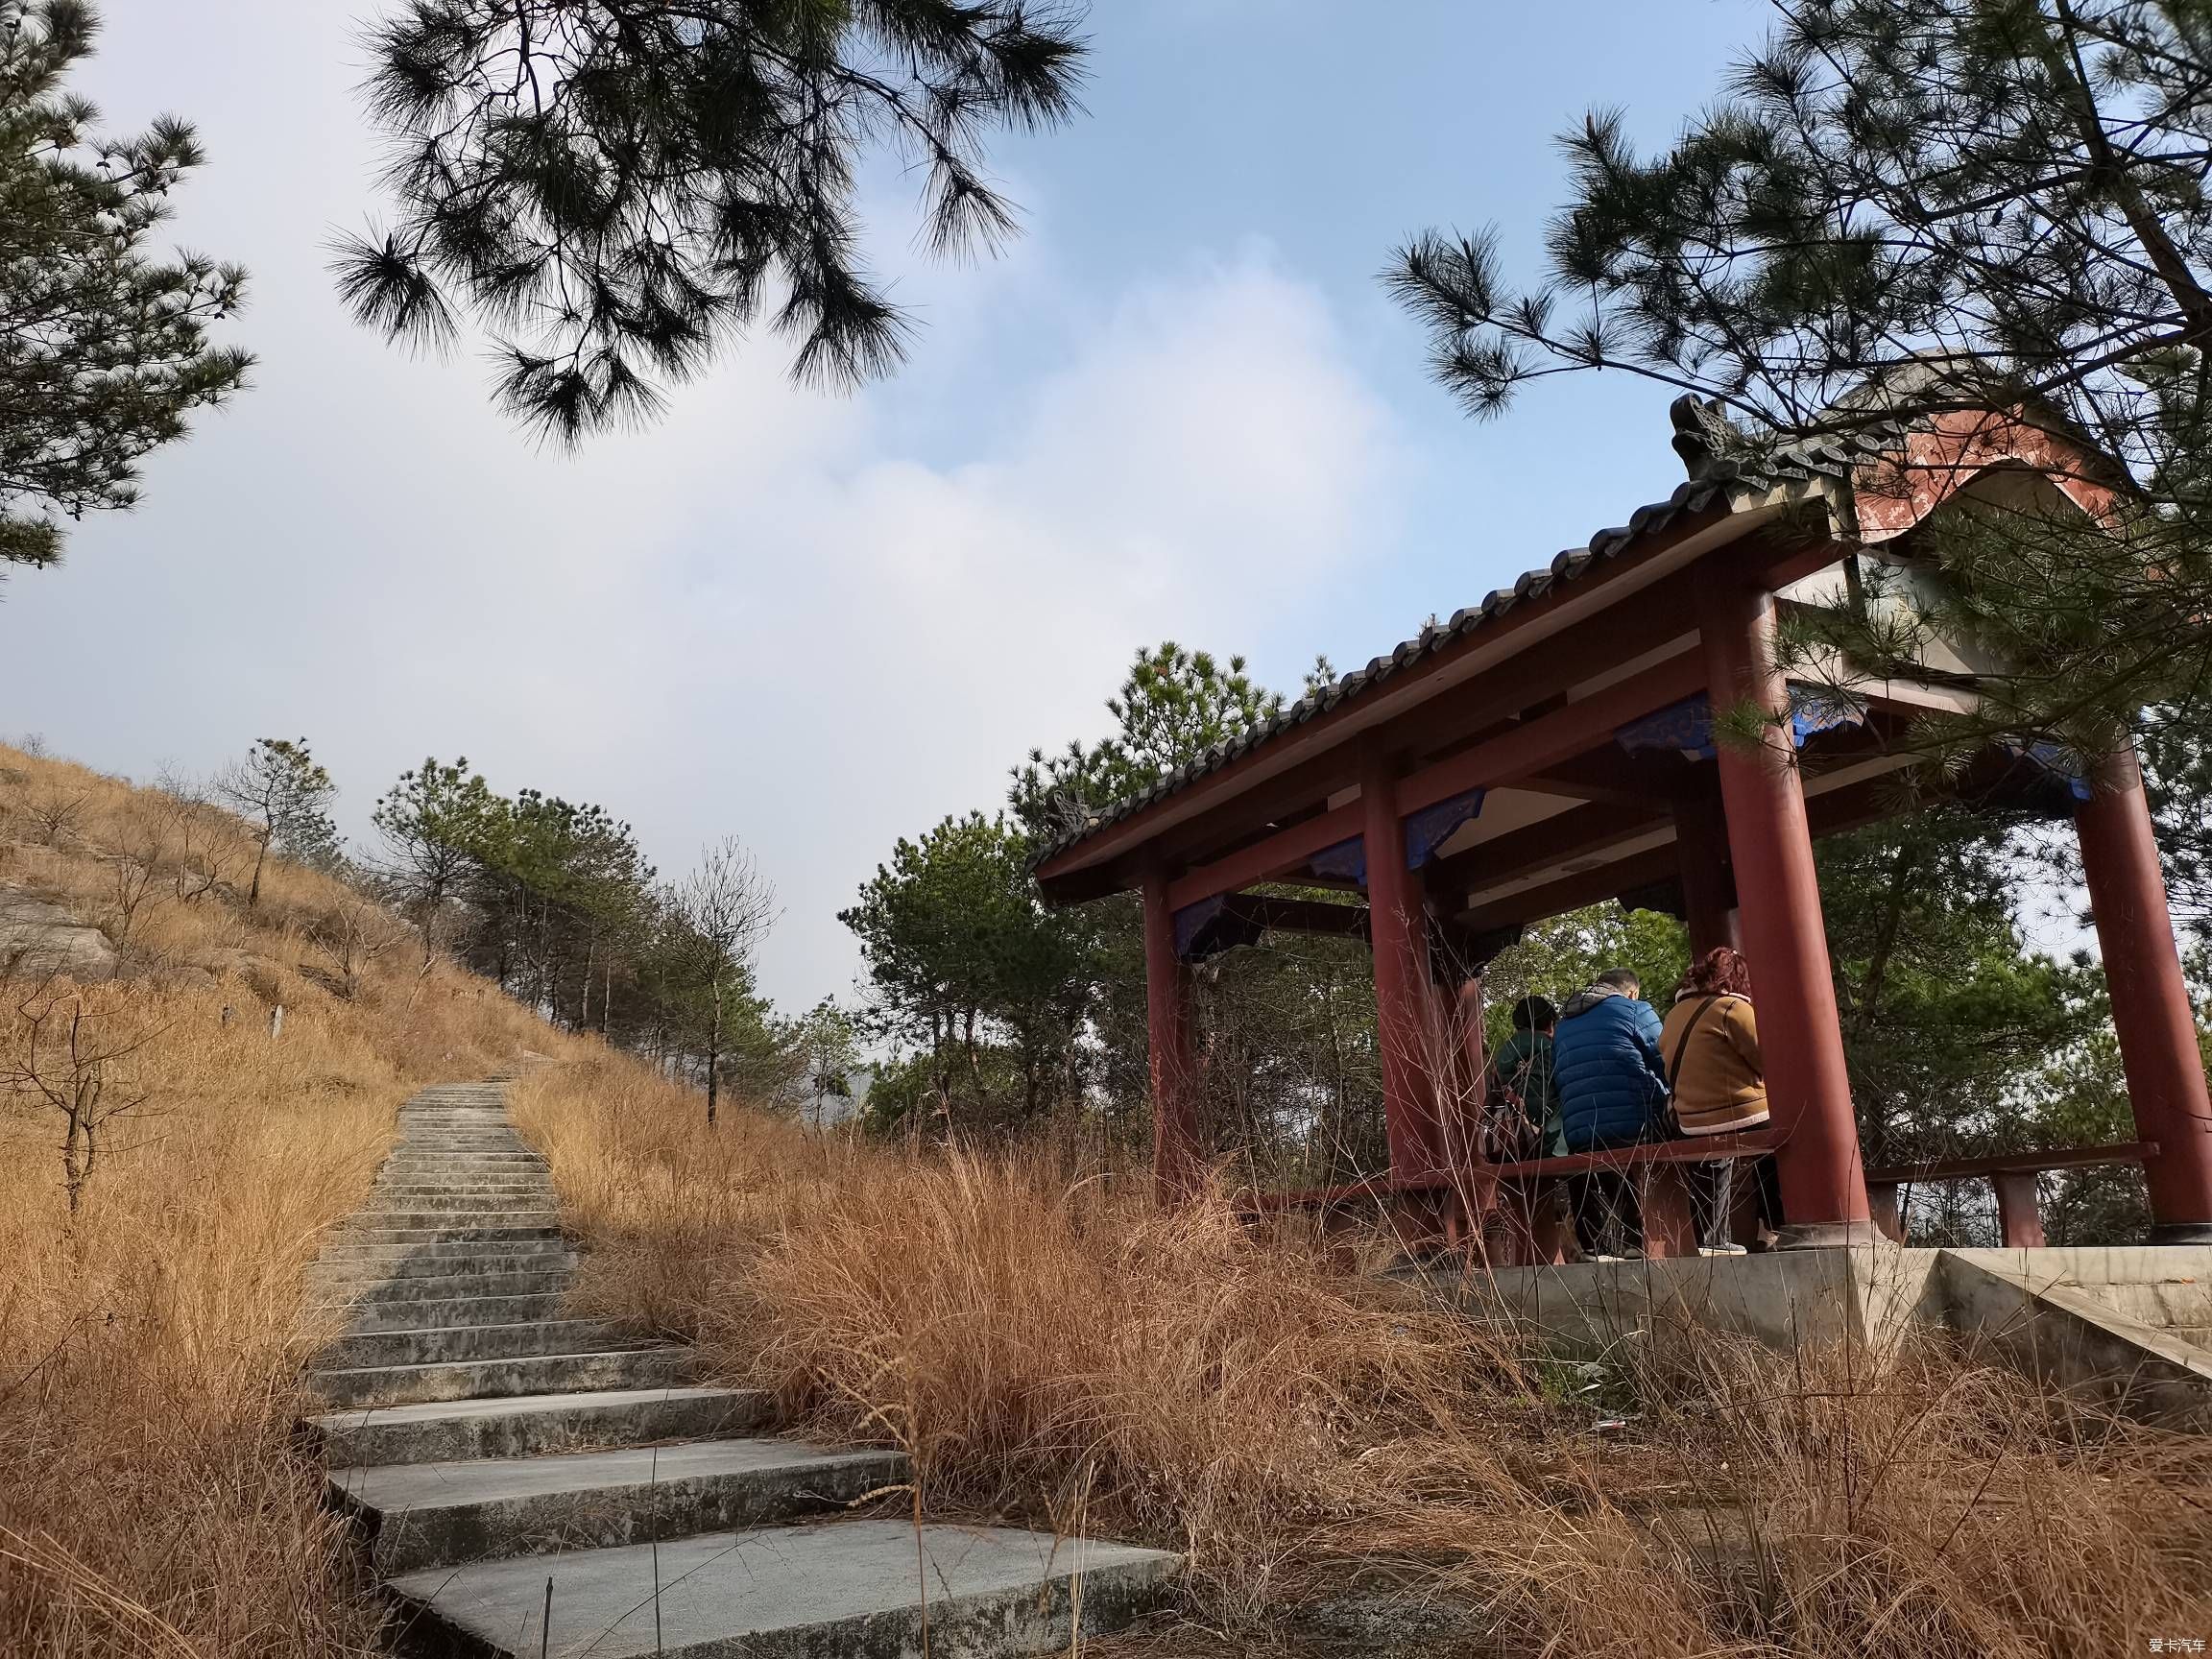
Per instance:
(151,1499)
(1058,1349)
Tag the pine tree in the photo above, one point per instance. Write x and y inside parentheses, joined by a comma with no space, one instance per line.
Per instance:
(1912,209)
(285,796)
(616,187)
(104,348)
(1174,706)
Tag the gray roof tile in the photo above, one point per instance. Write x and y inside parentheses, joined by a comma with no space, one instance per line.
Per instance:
(1712,478)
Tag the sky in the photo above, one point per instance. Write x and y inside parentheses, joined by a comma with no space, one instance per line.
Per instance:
(1180,406)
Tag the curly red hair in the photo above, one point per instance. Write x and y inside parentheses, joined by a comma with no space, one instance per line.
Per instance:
(1721,971)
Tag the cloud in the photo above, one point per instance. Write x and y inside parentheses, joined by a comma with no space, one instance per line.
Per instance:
(818,623)
(1203,461)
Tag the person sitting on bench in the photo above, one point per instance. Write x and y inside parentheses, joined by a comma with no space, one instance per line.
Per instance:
(1612,1093)
(1710,1041)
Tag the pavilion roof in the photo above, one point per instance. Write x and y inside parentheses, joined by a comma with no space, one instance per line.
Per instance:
(1715,479)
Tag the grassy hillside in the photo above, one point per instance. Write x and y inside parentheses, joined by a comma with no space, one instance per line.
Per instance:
(1350,1469)
(150,1344)
(1341,1462)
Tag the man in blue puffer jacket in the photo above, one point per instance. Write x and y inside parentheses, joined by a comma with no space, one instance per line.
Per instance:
(1612,1088)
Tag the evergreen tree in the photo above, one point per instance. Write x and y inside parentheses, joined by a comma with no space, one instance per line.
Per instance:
(961,952)
(1174,706)
(286,797)
(1920,210)
(103,346)
(1949,1019)
(2177,774)
(434,823)
(617,188)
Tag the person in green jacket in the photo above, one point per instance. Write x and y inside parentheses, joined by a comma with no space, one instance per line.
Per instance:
(1523,1066)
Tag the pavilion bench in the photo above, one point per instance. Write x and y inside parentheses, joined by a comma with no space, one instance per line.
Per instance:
(1514,1207)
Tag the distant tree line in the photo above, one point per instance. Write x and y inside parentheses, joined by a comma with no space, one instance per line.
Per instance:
(554,902)
(552,899)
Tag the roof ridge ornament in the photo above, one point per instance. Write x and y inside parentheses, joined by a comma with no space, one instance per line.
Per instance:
(1704,435)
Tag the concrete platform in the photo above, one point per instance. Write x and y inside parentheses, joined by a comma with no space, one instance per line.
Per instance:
(863,1588)
(445,1514)
(527,1424)
(2108,1323)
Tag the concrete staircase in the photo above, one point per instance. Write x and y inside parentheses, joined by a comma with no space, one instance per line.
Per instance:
(534,1484)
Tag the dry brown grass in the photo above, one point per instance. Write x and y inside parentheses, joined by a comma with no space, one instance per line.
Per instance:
(1335,1456)
(150,1502)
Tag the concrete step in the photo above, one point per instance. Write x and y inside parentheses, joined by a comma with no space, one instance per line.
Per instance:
(421,1515)
(360,1292)
(533,1424)
(532,1211)
(442,1142)
(458,1195)
(812,1592)
(519,1226)
(429,1261)
(436,1313)
(481,1379)
(447,1172)
(366,1221)
(439,1344)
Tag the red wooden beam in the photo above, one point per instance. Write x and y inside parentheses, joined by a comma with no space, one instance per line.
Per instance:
(1541,742)
(1572,892)
(2016,1163)
(1614,630)
(1302,915)
(1280,853)
(1382,1189)
(1579,832)
(1556,738)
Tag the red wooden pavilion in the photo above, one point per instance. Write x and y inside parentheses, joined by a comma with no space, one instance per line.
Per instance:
(1554,747)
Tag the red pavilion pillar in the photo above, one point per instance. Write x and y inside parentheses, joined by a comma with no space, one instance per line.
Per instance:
(1708,894)
(1398,918)
(1175,1155)
(1785,940)
(2151,1011)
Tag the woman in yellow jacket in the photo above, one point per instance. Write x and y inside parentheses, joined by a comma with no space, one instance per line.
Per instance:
(1710,1047)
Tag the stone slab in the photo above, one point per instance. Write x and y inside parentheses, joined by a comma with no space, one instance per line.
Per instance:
(524,1425)
(2062,1331)
(476,1379)
(858,1589)
(442,1514)
(1871,1294)
(444,1286)
(447,1343)
(437,1313)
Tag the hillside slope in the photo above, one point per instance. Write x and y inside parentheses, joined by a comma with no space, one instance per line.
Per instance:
(151,1340)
